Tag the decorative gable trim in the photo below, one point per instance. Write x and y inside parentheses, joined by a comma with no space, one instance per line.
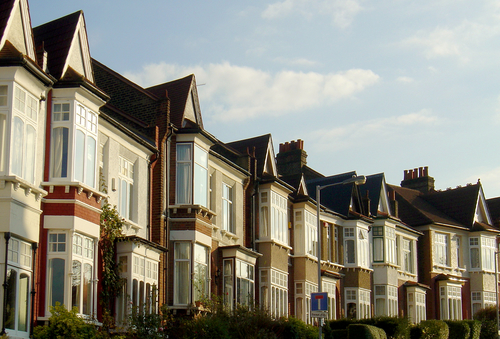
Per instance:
(302,189)
(20,12)
(481,213)
(78,56)
(269,162)
(192,110)
(383,204)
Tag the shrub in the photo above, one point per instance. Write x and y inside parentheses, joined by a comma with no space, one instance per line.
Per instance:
(488,318)
(458,329)
(430,329)
(337,334)
(362,331)
(65,324)
(394,327)
(294,328)
(475,328)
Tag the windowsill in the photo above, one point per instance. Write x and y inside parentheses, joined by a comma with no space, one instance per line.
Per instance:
(442,267)
(132,225)
(199,209)
(278,243)
(407,274)
(80,185)
(382,263)
(358,267)
(228,234)
(478,270)
(21,183)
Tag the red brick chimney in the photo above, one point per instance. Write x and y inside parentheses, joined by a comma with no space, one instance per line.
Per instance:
(418,179)
(291,157)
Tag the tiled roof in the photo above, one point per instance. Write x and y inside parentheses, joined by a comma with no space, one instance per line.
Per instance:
(129,103)
(373,187)
(178,92)
(260,143)
(494,208)
(5,12)
(56,37)
(336,198)
(414,210)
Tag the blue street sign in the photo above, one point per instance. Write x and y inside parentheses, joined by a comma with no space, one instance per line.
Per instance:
(319,301)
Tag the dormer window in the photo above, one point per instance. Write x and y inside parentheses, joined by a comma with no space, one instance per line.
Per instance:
(73,150)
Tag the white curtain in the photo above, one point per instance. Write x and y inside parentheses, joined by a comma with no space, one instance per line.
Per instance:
(60,152)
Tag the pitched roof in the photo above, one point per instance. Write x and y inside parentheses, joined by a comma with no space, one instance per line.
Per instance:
(129,103)
(494,208)
(178,92)
(416,211)
(373,187)
(260,144)
(459,203)
(336,198)
(6,7)
(56,37)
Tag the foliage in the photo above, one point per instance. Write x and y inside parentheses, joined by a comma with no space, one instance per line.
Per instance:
(362,331)
(149,325)
(488,318)
(65,324)
(430,329)
(475,328)
(111,229)
(394,327)
(458,329)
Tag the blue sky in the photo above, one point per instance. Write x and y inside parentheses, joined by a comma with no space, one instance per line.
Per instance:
(371,86)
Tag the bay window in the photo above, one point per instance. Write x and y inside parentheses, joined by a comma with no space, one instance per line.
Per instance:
(482,253)
(244,283)
(274,291)
(450,296)
(82,158)
(200,278)
(416,304)
(82,274)
(350,245)
(189,191)
(228,282)
(357,303)
(274,216)
(24,126)
(311,237)
(329,287)
(378,243)
(18,286)
(386,300)
(407,253)
(182,273)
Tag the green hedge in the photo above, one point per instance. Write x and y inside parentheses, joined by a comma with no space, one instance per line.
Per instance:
(337,334)
(394,327)
(475,328)
(362,331)
(430,329)
(488,318)
(458,329)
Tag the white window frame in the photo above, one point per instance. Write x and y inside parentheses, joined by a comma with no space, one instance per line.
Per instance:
(274,291)
(228,208)
(360,298)
(83,250)
(416,307)
(330,288)
(407,262)
(126,189)
(386,300)
(19,259)
(442,247)
(245,283)
(311,236)
(273,217)
(450,297)
(350,238)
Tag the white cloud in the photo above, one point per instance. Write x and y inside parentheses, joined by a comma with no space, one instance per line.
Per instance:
(342,12)
(363,133)
(469,38)
(296,61)
(490,179)
(405,79)
(240,93)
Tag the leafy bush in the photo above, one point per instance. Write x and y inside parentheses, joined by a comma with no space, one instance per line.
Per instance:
(294,328)
(475,328)
(337,334)
(361,331)
(458,329)
(430,329)
(488,318)
(394,327)
(65,324)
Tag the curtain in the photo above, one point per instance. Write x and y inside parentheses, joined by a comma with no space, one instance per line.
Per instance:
(60,152)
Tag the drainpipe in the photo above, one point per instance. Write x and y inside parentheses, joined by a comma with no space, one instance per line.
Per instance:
(5,284)
(34,247)
(166,213)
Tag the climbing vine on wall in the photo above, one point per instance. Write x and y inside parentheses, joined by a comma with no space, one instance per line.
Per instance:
(112,283)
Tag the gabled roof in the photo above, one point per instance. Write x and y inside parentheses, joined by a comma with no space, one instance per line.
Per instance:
(376,191)
(415,211)
(184,105)
(264,153)
(494,209)
(15,26)
(129,103)
(463,207)
(65,40)
(337,198)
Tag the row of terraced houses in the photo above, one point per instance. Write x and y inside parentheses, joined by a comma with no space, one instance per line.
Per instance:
(203,217)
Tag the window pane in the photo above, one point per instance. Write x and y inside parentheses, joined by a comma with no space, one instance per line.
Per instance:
(90,165)
(378,249)
(17,147)
(60,152)
(10,310)
(56,281)
(351,259)
(76,284)
(87,289)
(182,282)
(79,155)
(22,323)
(29,163)
(183,183)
